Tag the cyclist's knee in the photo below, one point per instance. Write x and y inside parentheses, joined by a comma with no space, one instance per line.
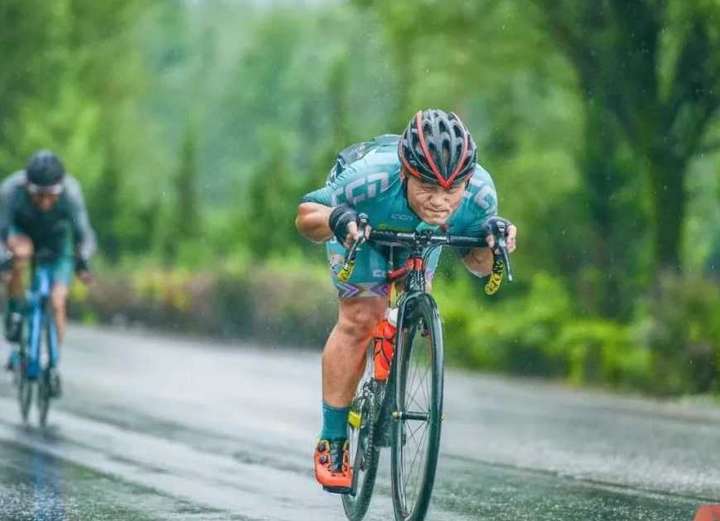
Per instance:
(358,317)
(58,298)
(21,248)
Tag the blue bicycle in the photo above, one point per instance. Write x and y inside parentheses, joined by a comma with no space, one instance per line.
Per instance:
(37,355)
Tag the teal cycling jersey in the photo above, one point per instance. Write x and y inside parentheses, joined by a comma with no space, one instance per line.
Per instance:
(64,230)
(367,177)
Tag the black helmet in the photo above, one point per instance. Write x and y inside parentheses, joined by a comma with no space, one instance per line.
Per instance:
(437,148)
(44,170)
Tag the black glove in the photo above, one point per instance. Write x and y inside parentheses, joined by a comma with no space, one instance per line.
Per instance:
(498,227)
(81,265)
(340,217)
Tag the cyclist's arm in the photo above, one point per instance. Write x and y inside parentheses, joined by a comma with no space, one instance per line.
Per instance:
(479,261)
(8,190)
(85,242)
(482,205)
(315,207)
(312,221)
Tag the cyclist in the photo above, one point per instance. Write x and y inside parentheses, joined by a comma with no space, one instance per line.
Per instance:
(428,178)
(43,212)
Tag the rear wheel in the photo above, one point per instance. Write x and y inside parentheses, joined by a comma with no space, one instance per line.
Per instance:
(364,454)
(417,416)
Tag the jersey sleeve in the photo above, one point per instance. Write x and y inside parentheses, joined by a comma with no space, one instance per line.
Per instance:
(355,185)
(84,234)
(481,204)
(8,190)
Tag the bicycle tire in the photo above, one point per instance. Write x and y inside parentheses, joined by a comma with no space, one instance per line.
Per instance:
(419,321)
(25,394)
(25,386)
(43,397)
(367,454)
(44,388)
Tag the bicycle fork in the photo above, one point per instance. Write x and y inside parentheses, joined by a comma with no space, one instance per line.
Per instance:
(39,306)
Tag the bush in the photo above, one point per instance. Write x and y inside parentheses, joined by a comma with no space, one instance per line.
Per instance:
(681,328)
(540,335)
(278,302)
(604,352)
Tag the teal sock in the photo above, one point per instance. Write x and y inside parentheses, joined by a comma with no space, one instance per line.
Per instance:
(334,422)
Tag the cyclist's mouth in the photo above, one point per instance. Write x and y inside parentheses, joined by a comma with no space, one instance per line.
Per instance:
(438,213)
(432,217)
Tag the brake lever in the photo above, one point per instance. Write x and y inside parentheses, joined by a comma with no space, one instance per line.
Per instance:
(501,265)
(349,264)
(501,242)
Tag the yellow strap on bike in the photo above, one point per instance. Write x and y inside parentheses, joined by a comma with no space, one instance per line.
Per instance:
(355,419)
(346,271)
(496,277)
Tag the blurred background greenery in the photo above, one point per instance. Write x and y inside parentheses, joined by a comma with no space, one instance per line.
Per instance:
(195,126)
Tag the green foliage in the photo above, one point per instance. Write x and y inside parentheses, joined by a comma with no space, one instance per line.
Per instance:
(682,331)
(541,335)
(279,301)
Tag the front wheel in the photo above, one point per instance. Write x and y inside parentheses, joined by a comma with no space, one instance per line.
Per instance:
(417,417)
(43,396)
(24,385)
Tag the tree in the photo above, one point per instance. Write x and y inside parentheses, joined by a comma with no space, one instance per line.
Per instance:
(184,220)
(654,65)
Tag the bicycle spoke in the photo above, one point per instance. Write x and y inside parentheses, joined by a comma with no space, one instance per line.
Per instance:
(408,475)
(412,392)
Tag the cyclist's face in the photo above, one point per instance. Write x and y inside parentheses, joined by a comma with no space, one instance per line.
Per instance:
(44,202)
(431,202)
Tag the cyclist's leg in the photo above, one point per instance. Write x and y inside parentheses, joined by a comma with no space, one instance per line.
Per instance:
(345,349)
(62,273)
(431,263)
(361,305)
(62,276)
(21,248)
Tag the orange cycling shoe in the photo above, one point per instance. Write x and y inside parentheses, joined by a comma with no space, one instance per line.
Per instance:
(332,466)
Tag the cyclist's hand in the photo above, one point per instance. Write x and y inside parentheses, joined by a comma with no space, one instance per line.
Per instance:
(82,270)
(86,277)
(343,222)
(354,234)
(492,230)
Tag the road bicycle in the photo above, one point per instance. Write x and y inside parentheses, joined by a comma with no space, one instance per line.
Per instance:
(37,350)
(405,410)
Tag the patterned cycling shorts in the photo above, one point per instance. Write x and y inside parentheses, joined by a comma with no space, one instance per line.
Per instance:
(369,278)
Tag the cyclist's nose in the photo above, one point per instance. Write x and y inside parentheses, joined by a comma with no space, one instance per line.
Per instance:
(438,200)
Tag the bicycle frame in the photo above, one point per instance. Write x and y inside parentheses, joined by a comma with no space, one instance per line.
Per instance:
(37,313)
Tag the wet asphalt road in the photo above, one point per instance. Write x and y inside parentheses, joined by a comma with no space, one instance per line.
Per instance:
(160,428)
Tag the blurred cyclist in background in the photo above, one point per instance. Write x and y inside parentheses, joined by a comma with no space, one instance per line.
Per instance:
(43,215)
